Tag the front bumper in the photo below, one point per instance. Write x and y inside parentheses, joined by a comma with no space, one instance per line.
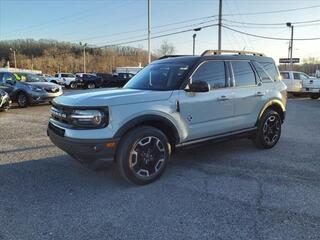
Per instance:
(88,151)
(41,97)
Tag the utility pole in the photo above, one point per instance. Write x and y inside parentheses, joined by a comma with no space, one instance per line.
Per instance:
(84,56)
(194,44)
(289,24)
(14,57)
(149,31)
(220,25)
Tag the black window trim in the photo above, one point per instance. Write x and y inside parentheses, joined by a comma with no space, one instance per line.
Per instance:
(252,68)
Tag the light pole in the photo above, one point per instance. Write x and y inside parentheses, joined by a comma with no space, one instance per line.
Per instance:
(194,44)
(194,40)
(289,24)
(149,31)
(84,56)
(14,57)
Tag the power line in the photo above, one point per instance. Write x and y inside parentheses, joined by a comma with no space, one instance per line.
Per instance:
(271,38)
(276,11)
(155,37)
(143,29)
(271,24)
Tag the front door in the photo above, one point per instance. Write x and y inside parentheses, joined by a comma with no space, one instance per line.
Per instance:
(208,113)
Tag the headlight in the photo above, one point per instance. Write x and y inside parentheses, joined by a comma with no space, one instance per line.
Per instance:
(35,88)
(89,118)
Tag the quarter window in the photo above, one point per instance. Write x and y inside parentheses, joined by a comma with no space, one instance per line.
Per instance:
(243,73)
(212,72)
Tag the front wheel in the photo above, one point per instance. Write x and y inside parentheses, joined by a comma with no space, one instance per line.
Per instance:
(22,100)
(269,130)
(143,155)
(73,85)
(314,95)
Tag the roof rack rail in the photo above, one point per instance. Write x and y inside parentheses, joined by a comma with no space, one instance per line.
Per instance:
(219,52)
(172,56)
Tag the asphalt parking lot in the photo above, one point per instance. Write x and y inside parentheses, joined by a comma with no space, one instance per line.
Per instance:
(229,190)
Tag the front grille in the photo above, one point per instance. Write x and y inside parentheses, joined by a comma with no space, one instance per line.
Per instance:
(56,130)
(52,90)
(61,114)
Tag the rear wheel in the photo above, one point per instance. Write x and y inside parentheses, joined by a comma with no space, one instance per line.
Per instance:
(143,155)
(22,100)
(314,95)
(269,130)
(91,85)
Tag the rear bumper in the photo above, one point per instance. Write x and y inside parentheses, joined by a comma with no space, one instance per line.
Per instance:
(84,150)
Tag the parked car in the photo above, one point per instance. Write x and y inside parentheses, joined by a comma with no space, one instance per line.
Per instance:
(27,89)
(66,79)
(172,103)
(5,101)
(300,83)
(89,81)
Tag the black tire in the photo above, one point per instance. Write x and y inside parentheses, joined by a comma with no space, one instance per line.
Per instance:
(91,85)
(269,130)
(22,100)
(151,150)
(314,95)
(73,85)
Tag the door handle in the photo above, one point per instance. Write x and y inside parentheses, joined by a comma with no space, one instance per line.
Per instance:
(223,98)
(260,94)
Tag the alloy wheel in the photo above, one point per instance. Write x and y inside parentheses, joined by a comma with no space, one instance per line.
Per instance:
(147,157)
(271,129)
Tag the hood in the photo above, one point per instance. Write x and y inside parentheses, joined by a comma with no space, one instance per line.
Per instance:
(111,97)
(45,85)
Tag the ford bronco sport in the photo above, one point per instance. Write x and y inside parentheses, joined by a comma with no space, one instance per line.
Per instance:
(172,102)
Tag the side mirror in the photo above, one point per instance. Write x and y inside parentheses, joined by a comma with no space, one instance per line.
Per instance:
(198,86)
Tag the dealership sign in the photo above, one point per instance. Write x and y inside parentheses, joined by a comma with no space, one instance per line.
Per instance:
(287,60)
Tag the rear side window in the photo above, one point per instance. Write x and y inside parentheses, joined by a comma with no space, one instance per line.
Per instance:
(271,69)
(212,72)
(285,75)
(243,73)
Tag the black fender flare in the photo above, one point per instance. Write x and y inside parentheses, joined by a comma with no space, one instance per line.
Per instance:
(274,102)
(148,120)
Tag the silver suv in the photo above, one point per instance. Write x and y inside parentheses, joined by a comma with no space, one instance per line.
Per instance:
(172,102)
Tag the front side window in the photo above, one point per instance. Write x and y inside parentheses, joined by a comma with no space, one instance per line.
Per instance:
(304,76)
(296,76)
(212,72)
(285,75)
(158,77)
(243,73)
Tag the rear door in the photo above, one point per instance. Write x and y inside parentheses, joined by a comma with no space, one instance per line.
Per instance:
(249,94)
(208,113)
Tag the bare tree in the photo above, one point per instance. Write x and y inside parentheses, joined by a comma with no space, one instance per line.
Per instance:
(165,48)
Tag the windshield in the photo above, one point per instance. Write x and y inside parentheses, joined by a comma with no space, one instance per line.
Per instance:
(34,78)
(159,77)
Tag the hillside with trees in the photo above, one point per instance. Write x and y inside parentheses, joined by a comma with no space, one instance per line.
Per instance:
(51,56)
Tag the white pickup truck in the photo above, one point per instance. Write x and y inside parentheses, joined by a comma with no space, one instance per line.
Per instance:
(300,83)
(66,79)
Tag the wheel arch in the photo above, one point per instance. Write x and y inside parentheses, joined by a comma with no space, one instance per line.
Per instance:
(275,105)
(159,122)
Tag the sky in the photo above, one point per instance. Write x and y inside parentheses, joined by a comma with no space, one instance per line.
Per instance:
(104,22)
